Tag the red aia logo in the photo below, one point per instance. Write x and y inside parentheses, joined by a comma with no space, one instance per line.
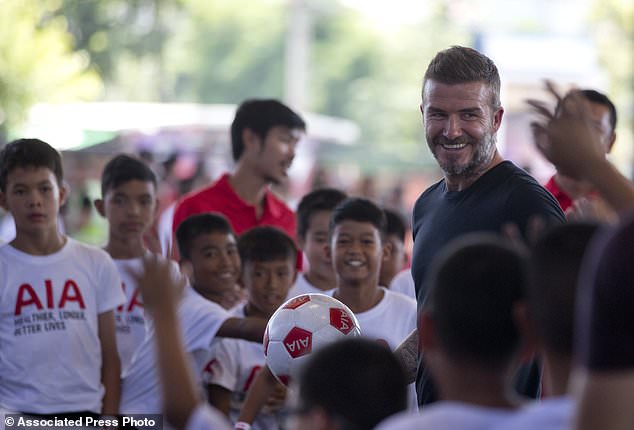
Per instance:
(340,320)
(27,296)
(297,302)
(298,342)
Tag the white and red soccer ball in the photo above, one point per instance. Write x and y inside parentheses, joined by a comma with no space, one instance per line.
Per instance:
(302,325)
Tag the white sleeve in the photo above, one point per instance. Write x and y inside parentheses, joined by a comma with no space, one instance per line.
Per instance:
(223,367)
(108,284)
(205,417)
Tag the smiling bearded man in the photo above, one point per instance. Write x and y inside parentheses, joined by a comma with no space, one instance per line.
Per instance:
(480,191)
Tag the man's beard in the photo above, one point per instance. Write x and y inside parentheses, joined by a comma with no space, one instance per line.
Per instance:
(484,150)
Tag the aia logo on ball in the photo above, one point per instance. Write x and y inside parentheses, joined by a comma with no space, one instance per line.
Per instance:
(297,302)
(298,342)
(340,320)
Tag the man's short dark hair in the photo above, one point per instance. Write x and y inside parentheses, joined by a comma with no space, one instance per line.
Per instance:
(358,382)
(461,65)
(595,96)
(555,264)
(474,284)
(360,210)
(395,224)
(264,244)
(197,225)
(259,116)
(29,153)
(322,199)
(123,168)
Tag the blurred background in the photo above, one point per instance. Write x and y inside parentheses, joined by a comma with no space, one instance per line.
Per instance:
(161,78)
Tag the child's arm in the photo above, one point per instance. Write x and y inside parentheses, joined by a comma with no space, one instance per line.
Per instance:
(110,364)
(263,387)
(160,295)
(248,328)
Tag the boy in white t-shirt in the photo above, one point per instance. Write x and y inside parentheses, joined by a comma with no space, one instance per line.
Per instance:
(313,217)
(58,352)
(269,259)
(395,240)
(210,249)
(357,248)
(129,204)
(470,335)
(202,321)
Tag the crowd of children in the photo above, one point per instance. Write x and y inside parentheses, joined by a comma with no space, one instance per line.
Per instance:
(121,330)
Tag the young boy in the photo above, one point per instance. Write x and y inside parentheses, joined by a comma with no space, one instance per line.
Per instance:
(395,238)
(264,134)
(58,352)
(470,334)
(268,258)
(556,262)
(335,389)
(202,321)
(128,190)
(208,245)
(357,248)
(313,217)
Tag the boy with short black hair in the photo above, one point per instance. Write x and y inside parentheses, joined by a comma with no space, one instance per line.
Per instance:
(58,295)
(353,383)
(129,203)
(208,244)
(268,258)
(313,217)
(264,134)
(395,237)
(470,334)
(555,263)
(202,321)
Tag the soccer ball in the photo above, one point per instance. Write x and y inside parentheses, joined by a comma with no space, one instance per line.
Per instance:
(302,325)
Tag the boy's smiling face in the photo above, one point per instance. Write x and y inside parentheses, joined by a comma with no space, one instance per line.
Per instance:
(33,197)
(215,262)
(130,209)
(356,251)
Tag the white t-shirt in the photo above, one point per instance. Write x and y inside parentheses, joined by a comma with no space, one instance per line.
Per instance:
(404,283)
(129,317)
(50,354)
(302,286)
(233,364)
(200,320)
(553,413)
(205,417)
(449,416)
(390,322)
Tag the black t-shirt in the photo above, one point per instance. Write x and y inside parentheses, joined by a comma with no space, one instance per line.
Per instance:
(504,194)
(605,324)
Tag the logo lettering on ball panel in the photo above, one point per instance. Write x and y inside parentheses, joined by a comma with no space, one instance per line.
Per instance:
(297,302)
(298,342)
(340,320)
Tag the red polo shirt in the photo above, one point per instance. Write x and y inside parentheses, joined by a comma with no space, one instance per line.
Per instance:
(220,197)
(562,198)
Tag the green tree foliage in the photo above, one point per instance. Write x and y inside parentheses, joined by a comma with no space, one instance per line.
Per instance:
(37,61)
